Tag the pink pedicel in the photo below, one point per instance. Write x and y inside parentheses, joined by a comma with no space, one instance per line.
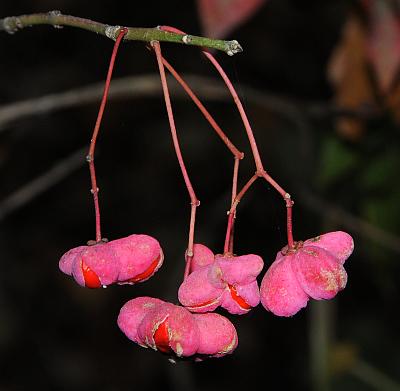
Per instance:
(229,281)
(175,331)
(124,261)
(312,269)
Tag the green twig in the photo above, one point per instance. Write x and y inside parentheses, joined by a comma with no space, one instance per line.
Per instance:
(12,24)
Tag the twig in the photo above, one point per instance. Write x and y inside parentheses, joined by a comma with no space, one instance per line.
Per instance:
(12,24)
(42,183)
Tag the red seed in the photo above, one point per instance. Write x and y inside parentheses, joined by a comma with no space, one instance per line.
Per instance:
(242,303)
(91,278)
(147,273)
(161,338)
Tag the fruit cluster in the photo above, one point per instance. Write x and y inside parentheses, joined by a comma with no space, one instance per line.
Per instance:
(123,261)
(301,270)
(172,329)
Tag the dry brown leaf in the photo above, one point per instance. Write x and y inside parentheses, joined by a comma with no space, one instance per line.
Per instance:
(383,42)
(348,74)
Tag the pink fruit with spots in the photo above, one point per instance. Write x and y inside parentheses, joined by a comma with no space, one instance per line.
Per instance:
(175,331)
(95,266)
(125,261)
(340,244)
(202,256)
(239,270)
(67,260)
(198,294)
(230,281)
(240,299)
(313,269)
(319,273)
(132,314)
(139,257)
(217,335)
(280,290)
(170,329)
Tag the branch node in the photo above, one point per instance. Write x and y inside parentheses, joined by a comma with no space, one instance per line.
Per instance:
(233,47)
(95,191)
(54,13)
(288,200)
(11,24)
(187,39)
(112,32)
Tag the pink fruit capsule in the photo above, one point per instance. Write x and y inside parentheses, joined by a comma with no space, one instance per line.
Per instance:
(319,273)
(95,266)
(239,270)
(310,269)
(217,335)
(197,294)
(241,299)
(339,243)
(133,312)
(67,260)
(202,256)
(139,257)
(170,329)
(280,291)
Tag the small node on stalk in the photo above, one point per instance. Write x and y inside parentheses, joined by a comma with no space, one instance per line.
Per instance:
(89,158)
(55,13)
(233,48)
(11,24)
(94,191)
(112,32)
(187,39)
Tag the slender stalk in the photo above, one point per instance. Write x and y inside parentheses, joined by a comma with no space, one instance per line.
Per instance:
(193,199)
(254,149)
(234,194)
(236,153)
(90,155)
(13,24)
(231,213)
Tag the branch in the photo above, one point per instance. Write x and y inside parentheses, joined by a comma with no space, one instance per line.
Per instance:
(12,24)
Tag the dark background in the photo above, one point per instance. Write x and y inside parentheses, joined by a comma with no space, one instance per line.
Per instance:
(56,335)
